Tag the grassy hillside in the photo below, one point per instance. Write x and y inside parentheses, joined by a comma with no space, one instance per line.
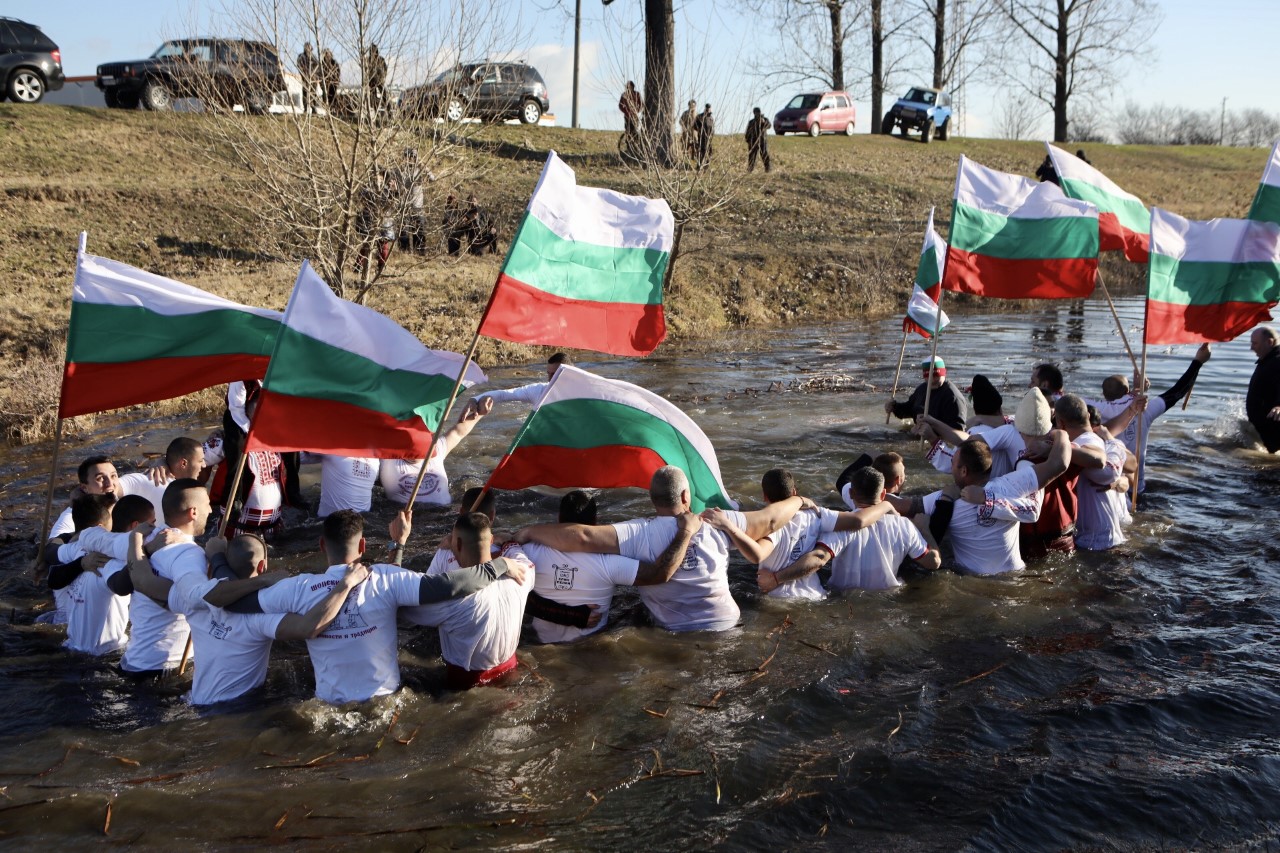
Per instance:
(832,233)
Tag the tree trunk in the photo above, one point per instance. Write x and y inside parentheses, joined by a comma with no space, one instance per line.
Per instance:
(659,77)
(939,44)
(836,8)
(1060,93)
(877,65)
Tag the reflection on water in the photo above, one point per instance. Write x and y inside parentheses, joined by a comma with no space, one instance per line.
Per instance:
(1117,699)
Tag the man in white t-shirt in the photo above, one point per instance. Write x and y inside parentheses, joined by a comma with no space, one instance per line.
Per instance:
(867,558)
(399,475)
(890,465)
(356,657)
(1098,519)
(183,458)
(529,394)
(346,482)
(97,476)
(697,597)
(479,632)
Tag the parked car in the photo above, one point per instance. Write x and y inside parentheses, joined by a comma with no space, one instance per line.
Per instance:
(224,71)
(486,90)
(818,113)
(30,63)
(926,110)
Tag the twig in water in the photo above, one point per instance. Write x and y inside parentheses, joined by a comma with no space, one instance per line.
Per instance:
(896,728)
(106,822)
(661,715)
(998,666)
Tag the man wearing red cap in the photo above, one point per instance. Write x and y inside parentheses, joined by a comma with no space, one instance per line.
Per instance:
(946,403)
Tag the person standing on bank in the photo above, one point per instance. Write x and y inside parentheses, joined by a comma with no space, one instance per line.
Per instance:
(757,136)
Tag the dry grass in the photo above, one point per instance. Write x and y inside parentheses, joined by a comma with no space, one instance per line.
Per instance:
(833,233)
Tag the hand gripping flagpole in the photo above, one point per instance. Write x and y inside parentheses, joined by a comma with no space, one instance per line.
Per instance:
(937,330)
(898,375)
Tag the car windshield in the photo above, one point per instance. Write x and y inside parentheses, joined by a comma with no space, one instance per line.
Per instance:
(804,102)
(920,96)
(453,75)
(191,50)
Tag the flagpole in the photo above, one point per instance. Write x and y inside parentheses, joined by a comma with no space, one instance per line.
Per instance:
(48,501)
(1140,381)
(514,442)
(444,416)
(937,330)
(898,375)
(1119,325)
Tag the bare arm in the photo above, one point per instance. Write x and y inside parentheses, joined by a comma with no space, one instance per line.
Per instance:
(145,580)
(302,626)
(755,551)
(582,538)
(471,415)
(762,522)
(1056,463)
(1121,421)
(801,568)
(945,431)
(864,517)
(687,524)
(1087,458)
(932,559)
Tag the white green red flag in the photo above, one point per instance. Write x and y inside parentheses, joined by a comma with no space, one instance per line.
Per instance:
(1266,204)
(592,432)
(1210,281)
(1123,220)
(1015,238)
(136,337)
(345,379)
(585,269)
(923,314)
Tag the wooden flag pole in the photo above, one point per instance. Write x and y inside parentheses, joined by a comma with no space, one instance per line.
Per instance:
(933,359)
(1142,417)
(48,503)
(524,427)
(898,375)
(444,416)
(1120,326)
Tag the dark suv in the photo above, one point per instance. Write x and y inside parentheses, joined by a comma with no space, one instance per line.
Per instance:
(30,63)
(224,72)
(485,90)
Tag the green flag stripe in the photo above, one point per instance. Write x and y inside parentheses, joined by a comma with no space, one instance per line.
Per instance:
(1266,204)
(116,334)
(927,273)
(1206,283)
(1012,238)
(543,259)
(1130,213)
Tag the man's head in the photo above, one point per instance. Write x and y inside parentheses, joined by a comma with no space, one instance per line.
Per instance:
(866,486)
(631,86)
(247,555)
(755,111)
(1114,387)
(971,465)
(130,511)
(1095,417)
(891,467)
(708,108)
(669,490)
(472,538)
(488,505)
(92,511)
(184,457)
(342,539)
(1262,341)
(693,105)
(578,507)
(1072,414)
(553,363)
(777,484)
(939,371)
(1046,377)
(986,399)
(186,505)
(98,476)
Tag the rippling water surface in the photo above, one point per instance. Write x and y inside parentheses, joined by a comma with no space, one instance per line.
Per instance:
(1118,700)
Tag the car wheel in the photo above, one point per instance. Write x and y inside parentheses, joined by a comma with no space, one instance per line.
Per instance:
(453,110)
(127,100)
(943,130)
(530,112)
(26,86)
(926,131)
(814,130)
(886,127)
(109,95)
(156,97)
(848,129)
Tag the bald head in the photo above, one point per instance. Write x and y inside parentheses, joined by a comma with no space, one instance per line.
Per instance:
(1262,341)
(247,555)
(669,489)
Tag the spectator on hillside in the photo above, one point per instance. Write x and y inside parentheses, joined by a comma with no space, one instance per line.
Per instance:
(330,78)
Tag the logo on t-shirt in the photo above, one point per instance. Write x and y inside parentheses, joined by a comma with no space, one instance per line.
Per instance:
(690,563)
(564,576)
(349,619)
(360,469)
(218,630)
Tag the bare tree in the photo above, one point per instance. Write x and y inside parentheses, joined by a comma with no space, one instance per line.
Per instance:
(817,33)
(1073,48)
(882,67)
(1019,117)
(345,168)
(953,29)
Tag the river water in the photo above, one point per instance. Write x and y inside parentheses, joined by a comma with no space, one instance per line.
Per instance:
(1108,700)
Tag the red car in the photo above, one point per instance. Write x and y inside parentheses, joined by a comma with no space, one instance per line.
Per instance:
(826,112)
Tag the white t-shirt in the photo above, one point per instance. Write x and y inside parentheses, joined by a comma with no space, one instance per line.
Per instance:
(97,618)
(1006,445)
(869,558)
(231,650)
(576,579)
(346,482)
(139,483)
(697,597)
(984,538)
(159,635)
(791,542)
(1156,407)
(399,475)
(1098,519)
(530,394)
(356,657)
(64,524)
(481,630)
(237,396)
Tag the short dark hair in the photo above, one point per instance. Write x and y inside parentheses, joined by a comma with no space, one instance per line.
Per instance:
(181,448)
(886,462)
(560,358)
(975,455)
(1114,387)
(578,507)
(91,510)
(1051,375)
(866,484)
(777,484)
(472,526)
(175,500)
(489,506)
(83,471)
(342,530)
(1072,410)
(128,510)
(244,552)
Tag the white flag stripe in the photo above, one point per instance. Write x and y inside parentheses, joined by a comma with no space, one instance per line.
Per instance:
(1271,172)
(599,217)
(924,312)
(101,281)
(1013,195)
(1072,167)
(1214,241)
(315,311)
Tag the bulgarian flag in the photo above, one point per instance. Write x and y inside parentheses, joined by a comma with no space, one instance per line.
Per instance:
(1123,220)
(1209,281)
(1266,204)
(591,432)
(345,379)
(135,337)
(585,269)
(1015,238)
(922,309)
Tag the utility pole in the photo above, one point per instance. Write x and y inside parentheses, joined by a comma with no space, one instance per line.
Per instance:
(1222,123)
(577,40)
